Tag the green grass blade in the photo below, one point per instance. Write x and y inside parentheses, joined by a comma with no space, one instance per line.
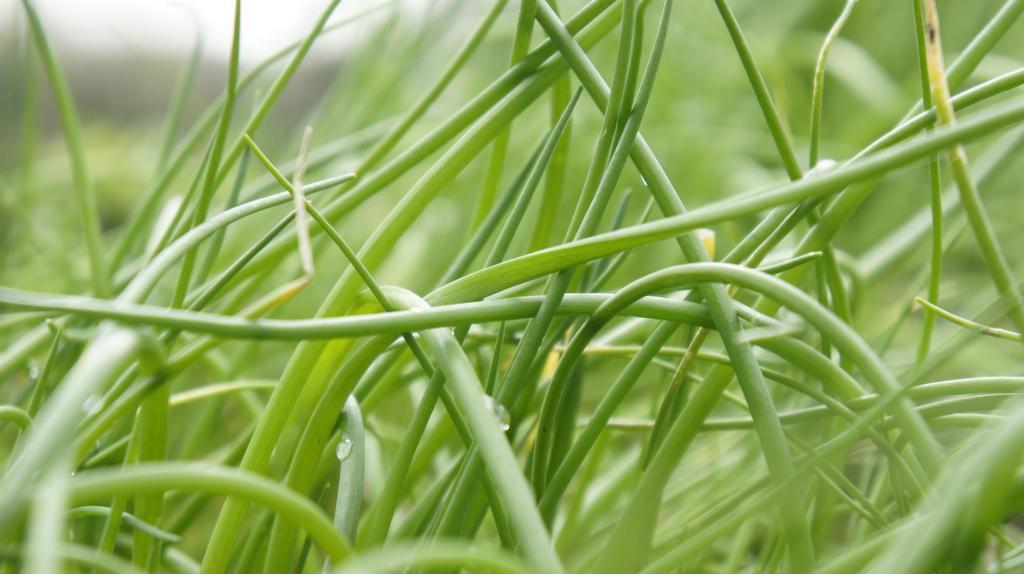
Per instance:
(84,194)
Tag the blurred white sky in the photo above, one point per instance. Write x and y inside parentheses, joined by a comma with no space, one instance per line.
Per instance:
(103,28)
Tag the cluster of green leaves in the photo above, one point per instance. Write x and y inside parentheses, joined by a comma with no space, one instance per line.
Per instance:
(219,390)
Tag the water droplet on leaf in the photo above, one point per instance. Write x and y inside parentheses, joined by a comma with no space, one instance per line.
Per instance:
(499,410)
(823,165)
(92,405)
(344,449)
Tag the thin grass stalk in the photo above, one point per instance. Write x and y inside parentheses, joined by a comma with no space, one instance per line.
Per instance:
(935,181)
(499,148)
(85,195)
(818,89)
(981,225)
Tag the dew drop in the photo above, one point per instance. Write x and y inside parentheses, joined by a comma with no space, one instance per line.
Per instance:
(92,405)
(499,410)
(344,449)
(823,165)
(33,372)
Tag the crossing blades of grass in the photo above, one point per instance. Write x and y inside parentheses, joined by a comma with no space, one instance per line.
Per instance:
(489,351)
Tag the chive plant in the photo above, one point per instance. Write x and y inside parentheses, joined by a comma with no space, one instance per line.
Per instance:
(561,297)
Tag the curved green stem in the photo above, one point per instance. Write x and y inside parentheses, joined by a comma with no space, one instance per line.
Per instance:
(210,479)
(973,325)
(818,88)
(12,414)
(514,271)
